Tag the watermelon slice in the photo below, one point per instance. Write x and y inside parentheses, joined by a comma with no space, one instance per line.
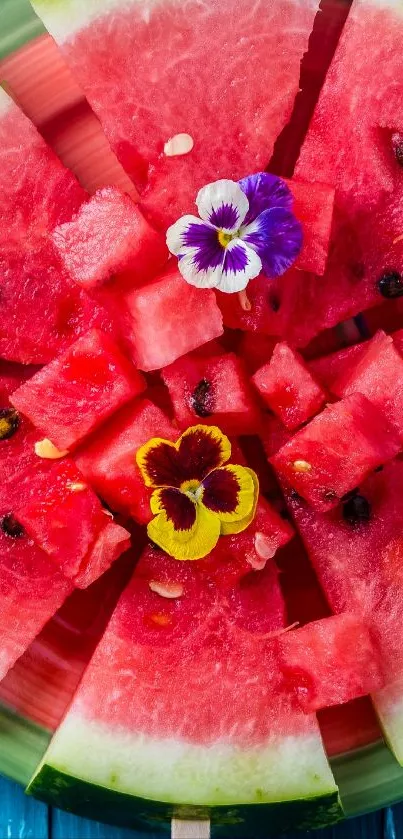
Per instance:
(109,235)
(336,451)
(313,206)
(182,316)
(42,310)
(213,389)
(288,388)
(72,395)
(156,63)
(108,459)
(229,748)
(353,144)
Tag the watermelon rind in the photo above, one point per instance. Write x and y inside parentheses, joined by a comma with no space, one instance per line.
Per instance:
(22,745)
(120,777)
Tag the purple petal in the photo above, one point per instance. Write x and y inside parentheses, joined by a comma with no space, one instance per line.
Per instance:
(223,204)
(225,217)
(263,192)
(277,237)
(208,251)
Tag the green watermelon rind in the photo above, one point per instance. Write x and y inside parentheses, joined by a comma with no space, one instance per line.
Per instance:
(76,795)
(22,745)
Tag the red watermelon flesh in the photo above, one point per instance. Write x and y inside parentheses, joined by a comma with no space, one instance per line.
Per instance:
(111,542)
(214,390)
(288,388)
(109,235)
(255,350)
(336,451)
(62,514)
(42,310)
(17,435)
(360,102)
(108,459)
(171,318)
(378,374)
(328,368)
(313,206)
(150,74)
(76,392)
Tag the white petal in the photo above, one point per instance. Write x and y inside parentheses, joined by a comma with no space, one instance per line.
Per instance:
(193,276)
(236,279)
(223,201)
(176,234)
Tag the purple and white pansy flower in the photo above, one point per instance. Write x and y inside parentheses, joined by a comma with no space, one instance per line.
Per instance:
(243,228)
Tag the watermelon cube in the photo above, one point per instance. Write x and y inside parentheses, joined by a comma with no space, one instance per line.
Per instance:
(112,541)
(171,318)
(336,451)
(108,459)
(330,661)
(313,206)
(109,235)
(214,390)
(378,374)
(78,390)
(62,514)
(328,368)
(288,388)
(17,435)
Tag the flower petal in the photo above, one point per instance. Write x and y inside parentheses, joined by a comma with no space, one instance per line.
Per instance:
(158,463)
(230,493)
(227,527)
(263,192)
(276,236)
(223,204)
(193,542)
(187,232)
(241,264)
(209,277)
(201,449)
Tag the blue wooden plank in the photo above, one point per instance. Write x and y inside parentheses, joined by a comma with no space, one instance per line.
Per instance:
(20,816)
(67,826)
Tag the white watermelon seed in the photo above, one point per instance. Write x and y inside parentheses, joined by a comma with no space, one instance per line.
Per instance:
(301,466)
(169,590)
(178,144)
(46,449)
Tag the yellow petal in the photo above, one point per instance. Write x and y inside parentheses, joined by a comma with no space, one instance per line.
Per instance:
(194,543)
(228,528)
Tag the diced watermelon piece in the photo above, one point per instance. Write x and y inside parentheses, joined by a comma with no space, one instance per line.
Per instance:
(328,368)
(62,514)
(312,656)
(109,235)
(378,374)
(313,206)
(171,318)
(77,391)
(43,311)
(149,74)
(108,460)
(112,541)
(17,435)
(213,389)
(336,451)
(287,387)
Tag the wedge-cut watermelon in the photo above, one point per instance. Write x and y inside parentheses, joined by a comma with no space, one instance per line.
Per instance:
(313,206)
(378,374)
(181,316)
(337,450)
(213,389)
(73,394)
(288,388)
(42,310)
(205,745)
(108,459)
(151,76)
(357,552)
(353,144)
(109,235)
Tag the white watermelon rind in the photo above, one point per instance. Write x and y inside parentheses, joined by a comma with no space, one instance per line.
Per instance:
(127,779)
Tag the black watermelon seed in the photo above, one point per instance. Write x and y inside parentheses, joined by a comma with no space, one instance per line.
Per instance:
(9,422)
(378,469)
(397,145)
(390,284)
(11,527)
(201,399)
(356,510)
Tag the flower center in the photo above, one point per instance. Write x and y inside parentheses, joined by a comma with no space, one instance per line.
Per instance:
(193,490)
(225,238)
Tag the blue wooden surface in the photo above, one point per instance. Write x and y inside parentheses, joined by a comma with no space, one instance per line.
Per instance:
(23,818)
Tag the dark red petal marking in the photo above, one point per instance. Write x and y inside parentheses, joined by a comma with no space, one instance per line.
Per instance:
(199,453)
(179,508)
(221,490)
(162,465)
